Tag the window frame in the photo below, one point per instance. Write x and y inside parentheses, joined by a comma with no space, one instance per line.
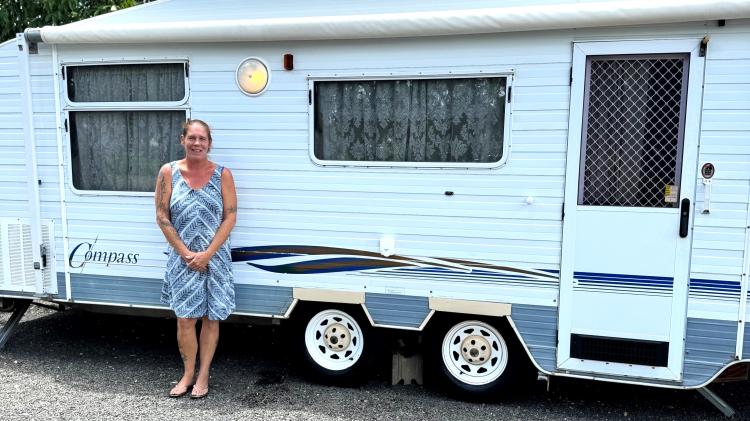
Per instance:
(69,106)
(71,103)
(508,74)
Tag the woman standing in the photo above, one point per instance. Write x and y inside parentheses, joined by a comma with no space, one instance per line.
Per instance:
(196,209)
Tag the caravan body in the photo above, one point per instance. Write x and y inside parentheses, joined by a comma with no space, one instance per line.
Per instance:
(551,163)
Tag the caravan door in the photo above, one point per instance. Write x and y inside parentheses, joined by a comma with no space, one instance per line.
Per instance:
(630,181)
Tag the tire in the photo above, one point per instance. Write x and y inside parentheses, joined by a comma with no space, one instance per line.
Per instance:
(476,359)
(335,344)
(7,305)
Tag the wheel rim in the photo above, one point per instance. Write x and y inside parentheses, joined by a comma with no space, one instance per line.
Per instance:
(474,353)
(334,340)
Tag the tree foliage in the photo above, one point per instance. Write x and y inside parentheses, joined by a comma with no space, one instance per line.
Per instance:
(17,15)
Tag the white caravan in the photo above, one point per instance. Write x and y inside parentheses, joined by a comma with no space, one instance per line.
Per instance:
(558,181)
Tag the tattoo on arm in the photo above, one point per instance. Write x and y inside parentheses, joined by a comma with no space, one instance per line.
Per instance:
(162,188)
(232,209)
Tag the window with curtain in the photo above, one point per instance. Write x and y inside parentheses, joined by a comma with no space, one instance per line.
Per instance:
(423,121)
(121,147)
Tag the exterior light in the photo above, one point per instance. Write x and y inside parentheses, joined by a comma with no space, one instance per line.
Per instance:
(253,76)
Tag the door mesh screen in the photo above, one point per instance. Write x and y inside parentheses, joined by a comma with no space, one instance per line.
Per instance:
(633,127)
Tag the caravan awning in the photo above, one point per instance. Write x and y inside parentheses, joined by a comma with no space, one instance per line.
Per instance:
(392,24)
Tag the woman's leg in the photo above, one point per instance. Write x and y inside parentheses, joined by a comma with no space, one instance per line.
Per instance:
(187,341)
(208,340)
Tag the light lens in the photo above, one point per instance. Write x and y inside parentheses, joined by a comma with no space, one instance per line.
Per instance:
(252,76)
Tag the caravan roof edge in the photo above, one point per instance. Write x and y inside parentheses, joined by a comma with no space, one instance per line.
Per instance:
(400,24)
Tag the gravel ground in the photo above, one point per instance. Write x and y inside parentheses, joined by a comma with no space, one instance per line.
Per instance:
(74,365)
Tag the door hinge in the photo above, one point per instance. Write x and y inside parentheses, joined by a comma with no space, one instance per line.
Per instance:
(570,82)
(66,125)
(62,72)
(187,69)
(562,212)
(309,96)
(510,93)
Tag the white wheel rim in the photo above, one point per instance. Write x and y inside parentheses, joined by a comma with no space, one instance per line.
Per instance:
(465,358)
(334,340)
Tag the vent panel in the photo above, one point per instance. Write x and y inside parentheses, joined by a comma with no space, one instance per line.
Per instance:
(618,350)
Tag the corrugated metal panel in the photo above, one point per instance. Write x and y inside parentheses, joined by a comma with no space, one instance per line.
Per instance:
(709,346)
(115,289)
(256,299)
(61,290)
(397,310)
(262,299)
(537,326)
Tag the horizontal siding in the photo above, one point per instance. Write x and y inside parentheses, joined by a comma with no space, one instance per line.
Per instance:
(537,326)
(397,310)
(286,199)
(719,242)
(13,202)
(709,347)
(136,291)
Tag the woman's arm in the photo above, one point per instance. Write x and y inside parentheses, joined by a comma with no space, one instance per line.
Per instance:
(229,198)
(162,196)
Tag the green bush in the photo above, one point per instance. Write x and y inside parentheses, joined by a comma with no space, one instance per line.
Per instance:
(17,15)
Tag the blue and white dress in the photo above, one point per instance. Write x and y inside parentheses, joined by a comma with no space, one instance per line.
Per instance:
(196,215)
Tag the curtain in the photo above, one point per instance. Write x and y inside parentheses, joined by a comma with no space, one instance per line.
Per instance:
(126,82)
(426,120)
(123,150)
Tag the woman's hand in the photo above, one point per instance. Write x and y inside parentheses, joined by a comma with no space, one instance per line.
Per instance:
(198,260)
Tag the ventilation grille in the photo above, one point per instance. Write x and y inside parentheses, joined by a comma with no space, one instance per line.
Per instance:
(617,350)
(17,257)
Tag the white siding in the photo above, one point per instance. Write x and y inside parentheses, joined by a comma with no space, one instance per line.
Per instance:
(719,243)
(286,199)
(13,199)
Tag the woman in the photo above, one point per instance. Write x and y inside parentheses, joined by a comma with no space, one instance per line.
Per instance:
(196,208)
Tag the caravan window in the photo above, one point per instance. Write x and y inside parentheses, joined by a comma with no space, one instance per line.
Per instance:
(163,82)
(124,122)
(428,122)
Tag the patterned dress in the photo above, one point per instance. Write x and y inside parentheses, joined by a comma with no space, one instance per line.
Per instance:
(196,215)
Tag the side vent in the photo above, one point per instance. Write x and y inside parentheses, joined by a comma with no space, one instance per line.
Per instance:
(618,350)
(17,257)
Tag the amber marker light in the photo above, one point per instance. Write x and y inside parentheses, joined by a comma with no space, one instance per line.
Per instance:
(253,76)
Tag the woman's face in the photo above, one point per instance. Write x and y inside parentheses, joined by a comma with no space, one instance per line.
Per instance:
(196,142)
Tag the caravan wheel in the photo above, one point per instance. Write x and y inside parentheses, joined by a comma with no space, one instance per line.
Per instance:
(477,359)
(334,345)
(7,305)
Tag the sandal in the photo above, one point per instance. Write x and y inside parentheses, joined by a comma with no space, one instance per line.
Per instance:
(199,394)
(177,393)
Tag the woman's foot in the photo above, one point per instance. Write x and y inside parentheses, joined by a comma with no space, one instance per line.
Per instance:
(200,388)
(199,392)
(181,388)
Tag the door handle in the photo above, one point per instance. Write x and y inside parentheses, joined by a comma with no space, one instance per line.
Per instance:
(684,217)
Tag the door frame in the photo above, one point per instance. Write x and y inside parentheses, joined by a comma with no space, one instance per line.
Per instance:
(691,135)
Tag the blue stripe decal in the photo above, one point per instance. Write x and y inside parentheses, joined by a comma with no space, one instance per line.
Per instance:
(621,276)
(714,289)
(614,281)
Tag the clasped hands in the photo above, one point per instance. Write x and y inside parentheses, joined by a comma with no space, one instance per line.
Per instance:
(197,260)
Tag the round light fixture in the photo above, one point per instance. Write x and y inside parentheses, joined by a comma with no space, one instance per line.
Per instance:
(253,76)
